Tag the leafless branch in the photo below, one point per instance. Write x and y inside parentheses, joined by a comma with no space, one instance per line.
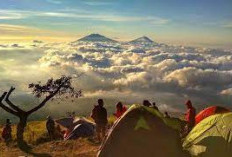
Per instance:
(7,109)
(13,106)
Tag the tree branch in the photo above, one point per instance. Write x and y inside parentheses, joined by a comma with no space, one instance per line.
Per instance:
(16,108)
(3,96)
(7,109)
(46,99)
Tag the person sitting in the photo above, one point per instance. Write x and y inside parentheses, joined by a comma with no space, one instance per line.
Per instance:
(120,110)
(154,106)
(7,131)
(166,115)
(50,125)
(146,103)
(190,116)
(59,134)
(99,115)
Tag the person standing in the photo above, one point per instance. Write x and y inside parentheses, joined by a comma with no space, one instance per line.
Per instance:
(50,125)
(120,109)
(7,132)
(190,116)
(154,106)
(146,103)
(166,115)
(99,115)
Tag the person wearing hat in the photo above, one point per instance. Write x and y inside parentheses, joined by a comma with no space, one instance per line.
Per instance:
(50,125)
(7,131)
(190,116)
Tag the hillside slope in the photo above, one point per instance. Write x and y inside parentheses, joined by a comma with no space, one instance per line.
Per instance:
(38,140)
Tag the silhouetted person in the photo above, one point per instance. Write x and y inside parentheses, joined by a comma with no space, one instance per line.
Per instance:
(154,106)
(166,115)
(120,109)
(50,125)
(58,132)
(7,131)
(146,103)
(99,114)
(190,116)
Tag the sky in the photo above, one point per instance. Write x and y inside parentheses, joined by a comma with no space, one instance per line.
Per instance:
(36,43)
(206,23)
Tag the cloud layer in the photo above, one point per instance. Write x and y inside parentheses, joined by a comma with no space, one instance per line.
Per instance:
(201,74)
(131,72)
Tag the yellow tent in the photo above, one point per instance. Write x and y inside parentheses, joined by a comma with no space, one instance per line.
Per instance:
(143,132)
(212,137)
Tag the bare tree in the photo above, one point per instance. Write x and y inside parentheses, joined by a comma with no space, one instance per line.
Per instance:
(51,89)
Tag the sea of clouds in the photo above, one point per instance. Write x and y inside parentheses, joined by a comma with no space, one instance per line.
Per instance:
(129,72)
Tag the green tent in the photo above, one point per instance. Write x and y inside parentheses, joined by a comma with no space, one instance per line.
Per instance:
(143,131)
(212,137)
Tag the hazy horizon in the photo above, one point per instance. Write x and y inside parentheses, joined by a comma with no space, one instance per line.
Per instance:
(194,23)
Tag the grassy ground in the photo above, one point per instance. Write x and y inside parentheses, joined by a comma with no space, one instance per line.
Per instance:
(36,136)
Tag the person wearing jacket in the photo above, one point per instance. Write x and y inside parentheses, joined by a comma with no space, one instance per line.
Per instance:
(7,132)
(190,116)
(146,103)
(120,109)
(99,115)
(50,125)
(154,106)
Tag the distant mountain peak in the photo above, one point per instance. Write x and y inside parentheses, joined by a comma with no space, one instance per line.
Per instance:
(95,35)
(96,38)
(143,39)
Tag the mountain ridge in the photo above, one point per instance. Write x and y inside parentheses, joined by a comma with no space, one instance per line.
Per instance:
(96,38)
(143,39)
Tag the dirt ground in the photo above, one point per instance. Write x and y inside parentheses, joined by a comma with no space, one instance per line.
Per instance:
(75,148)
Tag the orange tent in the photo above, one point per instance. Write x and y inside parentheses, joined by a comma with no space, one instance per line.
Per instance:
(208,112)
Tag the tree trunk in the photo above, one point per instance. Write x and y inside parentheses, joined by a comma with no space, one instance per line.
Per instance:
(20,131)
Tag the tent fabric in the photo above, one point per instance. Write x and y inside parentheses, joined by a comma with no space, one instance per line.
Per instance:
(66,122)
(143,131)
(82,120)
(212,137)
(78,127)
(81,130)
(209,112)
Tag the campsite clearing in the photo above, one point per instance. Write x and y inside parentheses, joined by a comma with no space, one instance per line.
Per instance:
(42,147)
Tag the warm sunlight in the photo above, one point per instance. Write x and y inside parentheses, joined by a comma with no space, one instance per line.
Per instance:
(116,78)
